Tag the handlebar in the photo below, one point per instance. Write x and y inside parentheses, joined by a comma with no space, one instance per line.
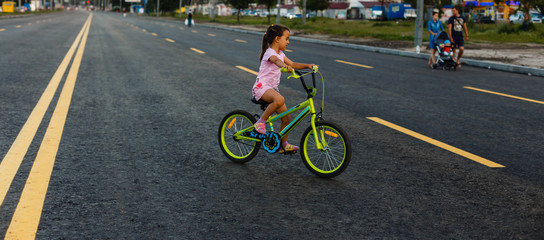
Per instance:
(294,74)
(310,91)
(297,74)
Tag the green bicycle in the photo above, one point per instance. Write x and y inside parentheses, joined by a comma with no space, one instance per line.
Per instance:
(324,147)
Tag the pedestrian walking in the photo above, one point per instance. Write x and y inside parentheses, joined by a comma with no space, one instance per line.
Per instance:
(457,24)
(434,27)
(189,18)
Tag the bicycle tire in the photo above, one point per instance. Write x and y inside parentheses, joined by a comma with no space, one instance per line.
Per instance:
(239,151)
(334,159)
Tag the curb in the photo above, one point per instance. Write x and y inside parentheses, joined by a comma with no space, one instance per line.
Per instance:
(471,62)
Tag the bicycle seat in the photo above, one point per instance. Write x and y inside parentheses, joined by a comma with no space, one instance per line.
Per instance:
(261,102)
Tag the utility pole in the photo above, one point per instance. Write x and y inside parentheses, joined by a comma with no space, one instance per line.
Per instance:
(278,6)
(180,9)
(419,26)
(212,2)
(303,12)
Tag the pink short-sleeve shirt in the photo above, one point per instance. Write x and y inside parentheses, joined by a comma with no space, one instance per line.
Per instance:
(269,74)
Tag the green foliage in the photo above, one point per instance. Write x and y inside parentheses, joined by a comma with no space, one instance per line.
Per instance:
(382,24)
(167,6)
(239,4)
(314,5)
(507,28)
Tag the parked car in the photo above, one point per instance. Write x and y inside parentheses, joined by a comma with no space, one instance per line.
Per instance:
(292,15)
(536,17)
(483,19)
(310,15)
(517,18)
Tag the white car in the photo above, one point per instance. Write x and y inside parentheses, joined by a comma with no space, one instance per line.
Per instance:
(517,18)
(536,17)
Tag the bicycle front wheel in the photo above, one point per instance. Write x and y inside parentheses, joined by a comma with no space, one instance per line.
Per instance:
(336,154)
(237,150)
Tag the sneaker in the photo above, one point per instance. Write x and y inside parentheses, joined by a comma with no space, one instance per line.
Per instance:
(260,128)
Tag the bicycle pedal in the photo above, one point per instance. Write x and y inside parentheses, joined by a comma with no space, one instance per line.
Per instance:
(288,152)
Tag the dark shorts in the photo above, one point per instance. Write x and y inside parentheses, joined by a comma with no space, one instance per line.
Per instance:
(459,42)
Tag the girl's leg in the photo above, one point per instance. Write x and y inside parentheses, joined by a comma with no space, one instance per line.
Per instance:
(284,121)
(275,101)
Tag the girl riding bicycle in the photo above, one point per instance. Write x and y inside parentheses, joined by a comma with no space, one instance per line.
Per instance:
(272,58)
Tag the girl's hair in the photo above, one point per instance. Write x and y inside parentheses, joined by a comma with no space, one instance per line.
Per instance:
(275,30)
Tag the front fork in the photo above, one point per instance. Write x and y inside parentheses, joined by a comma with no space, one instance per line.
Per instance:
(321,145)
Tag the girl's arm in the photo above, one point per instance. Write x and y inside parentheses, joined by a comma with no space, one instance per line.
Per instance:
(280,63)
(297,65)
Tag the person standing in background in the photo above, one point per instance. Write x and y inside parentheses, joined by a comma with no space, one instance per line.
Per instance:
(189,18)
(457,24)
(434,27)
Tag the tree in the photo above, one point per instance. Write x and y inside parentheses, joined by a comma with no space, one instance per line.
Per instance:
(166,5)
(269,4)
(315,5)
(537,4)
(239,5)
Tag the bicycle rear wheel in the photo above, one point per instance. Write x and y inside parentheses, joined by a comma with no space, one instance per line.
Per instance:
(336,155)
(237,150)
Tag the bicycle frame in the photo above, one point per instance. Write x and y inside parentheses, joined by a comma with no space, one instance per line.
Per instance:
(307,108)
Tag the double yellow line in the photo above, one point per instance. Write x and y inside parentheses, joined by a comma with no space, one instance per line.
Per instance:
(26,217)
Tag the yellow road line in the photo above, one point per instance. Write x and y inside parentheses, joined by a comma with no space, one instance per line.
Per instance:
(247,70)
(354,64)
(18,26)
(198,51)
(143,30)
(13,159)
(504,95)
(239,40)
(212,35)
(287,50)
(154,34)
(181,28)
(2,29)
(195,31)
(170,40)
(26,218)
(438,143)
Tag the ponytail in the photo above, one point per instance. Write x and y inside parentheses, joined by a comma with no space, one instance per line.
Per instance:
(275,30)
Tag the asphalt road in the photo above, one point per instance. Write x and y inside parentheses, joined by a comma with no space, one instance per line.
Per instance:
(139,157)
